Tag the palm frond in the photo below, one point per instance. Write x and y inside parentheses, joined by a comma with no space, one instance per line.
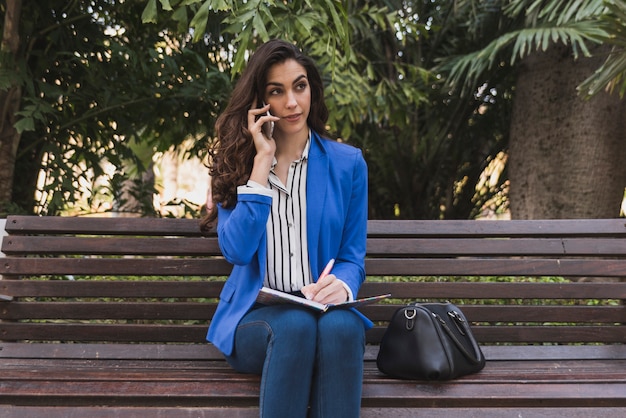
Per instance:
(612,74)
(557,11)
(466,69)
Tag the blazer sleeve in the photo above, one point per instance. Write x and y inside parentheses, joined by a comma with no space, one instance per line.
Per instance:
(241,229)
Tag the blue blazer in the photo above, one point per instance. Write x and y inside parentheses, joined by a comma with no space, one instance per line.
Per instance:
(336,228)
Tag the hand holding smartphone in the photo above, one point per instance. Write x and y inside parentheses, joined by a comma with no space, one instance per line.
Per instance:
(268,127)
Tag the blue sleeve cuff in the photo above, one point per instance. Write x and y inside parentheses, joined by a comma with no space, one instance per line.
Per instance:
(348,290)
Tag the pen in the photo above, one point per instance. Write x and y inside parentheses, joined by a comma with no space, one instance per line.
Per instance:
(327,269)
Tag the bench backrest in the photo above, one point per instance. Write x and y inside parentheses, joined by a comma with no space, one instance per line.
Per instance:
(157,280)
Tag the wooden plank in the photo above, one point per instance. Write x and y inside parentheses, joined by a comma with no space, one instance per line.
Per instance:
(401,290)
(530,371)
(107,289)
(203,390)
(374,267)
(113,411)
(533,334)
(125,246)
(553,352)
(376,247)
(93,351)
(95,411)
(119,332)
(500,394)
(496,267)
(511,228)
(501,247)
(109,310)
(207,352)
(124,332)
(519,313)
(411,228)
(102,225)
(116,266)
(496,290)
(158,310)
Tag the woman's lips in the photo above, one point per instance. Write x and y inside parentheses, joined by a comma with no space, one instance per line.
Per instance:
(291,118)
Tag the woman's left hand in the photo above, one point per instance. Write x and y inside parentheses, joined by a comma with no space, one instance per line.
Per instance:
(328,289)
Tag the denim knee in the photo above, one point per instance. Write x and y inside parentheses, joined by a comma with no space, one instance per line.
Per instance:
(298,325)
(342,324)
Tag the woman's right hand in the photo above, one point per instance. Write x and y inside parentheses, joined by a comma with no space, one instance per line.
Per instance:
(257,117)
(265,147)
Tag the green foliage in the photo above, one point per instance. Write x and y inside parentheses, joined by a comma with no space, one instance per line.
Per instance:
(425,148)
(88,91)
(100,75)
(529,25)
(612,74)
(250,21)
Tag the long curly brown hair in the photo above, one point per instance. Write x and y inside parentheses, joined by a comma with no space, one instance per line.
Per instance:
(231,156)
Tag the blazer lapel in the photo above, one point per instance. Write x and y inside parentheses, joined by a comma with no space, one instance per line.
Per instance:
(317,184)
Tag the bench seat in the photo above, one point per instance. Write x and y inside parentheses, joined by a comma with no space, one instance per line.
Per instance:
(160,376)
(75,344)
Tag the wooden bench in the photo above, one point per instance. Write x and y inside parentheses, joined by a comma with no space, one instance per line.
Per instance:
(74,344)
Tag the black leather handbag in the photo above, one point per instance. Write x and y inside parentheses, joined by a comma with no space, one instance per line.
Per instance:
(429,341)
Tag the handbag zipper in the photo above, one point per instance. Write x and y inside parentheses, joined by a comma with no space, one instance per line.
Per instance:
(458,321)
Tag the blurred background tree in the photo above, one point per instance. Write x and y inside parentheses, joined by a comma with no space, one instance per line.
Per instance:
(430,90)
(94,79)
(567,131)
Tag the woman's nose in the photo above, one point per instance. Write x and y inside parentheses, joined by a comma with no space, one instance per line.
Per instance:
(291,100)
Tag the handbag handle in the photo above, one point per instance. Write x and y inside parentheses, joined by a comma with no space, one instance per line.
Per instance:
(474,358)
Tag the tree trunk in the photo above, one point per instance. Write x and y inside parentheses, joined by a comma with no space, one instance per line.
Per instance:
(567,153)
(9,102)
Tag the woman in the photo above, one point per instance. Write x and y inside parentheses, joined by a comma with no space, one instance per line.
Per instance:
(287,200)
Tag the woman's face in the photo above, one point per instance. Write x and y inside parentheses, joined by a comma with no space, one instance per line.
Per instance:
(289,95)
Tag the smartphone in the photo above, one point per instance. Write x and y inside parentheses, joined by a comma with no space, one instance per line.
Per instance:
(268,127)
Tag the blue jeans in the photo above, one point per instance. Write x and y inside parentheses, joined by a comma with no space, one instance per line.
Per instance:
(309,362)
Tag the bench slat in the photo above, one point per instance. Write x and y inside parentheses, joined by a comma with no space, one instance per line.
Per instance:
(534,334)
(376,247)
(406,228)
(118,332)
(512,228)
(102,226)
(116,266)
(107,289)
(375,267)
(381,312)
(566,387)
(253,412)
(111,246)
(520,313)
(207,352)
(497,290)
(496,267)
(596,370)
(94,351)
(462,247)
(401,290)
(196,333)
(109,310)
